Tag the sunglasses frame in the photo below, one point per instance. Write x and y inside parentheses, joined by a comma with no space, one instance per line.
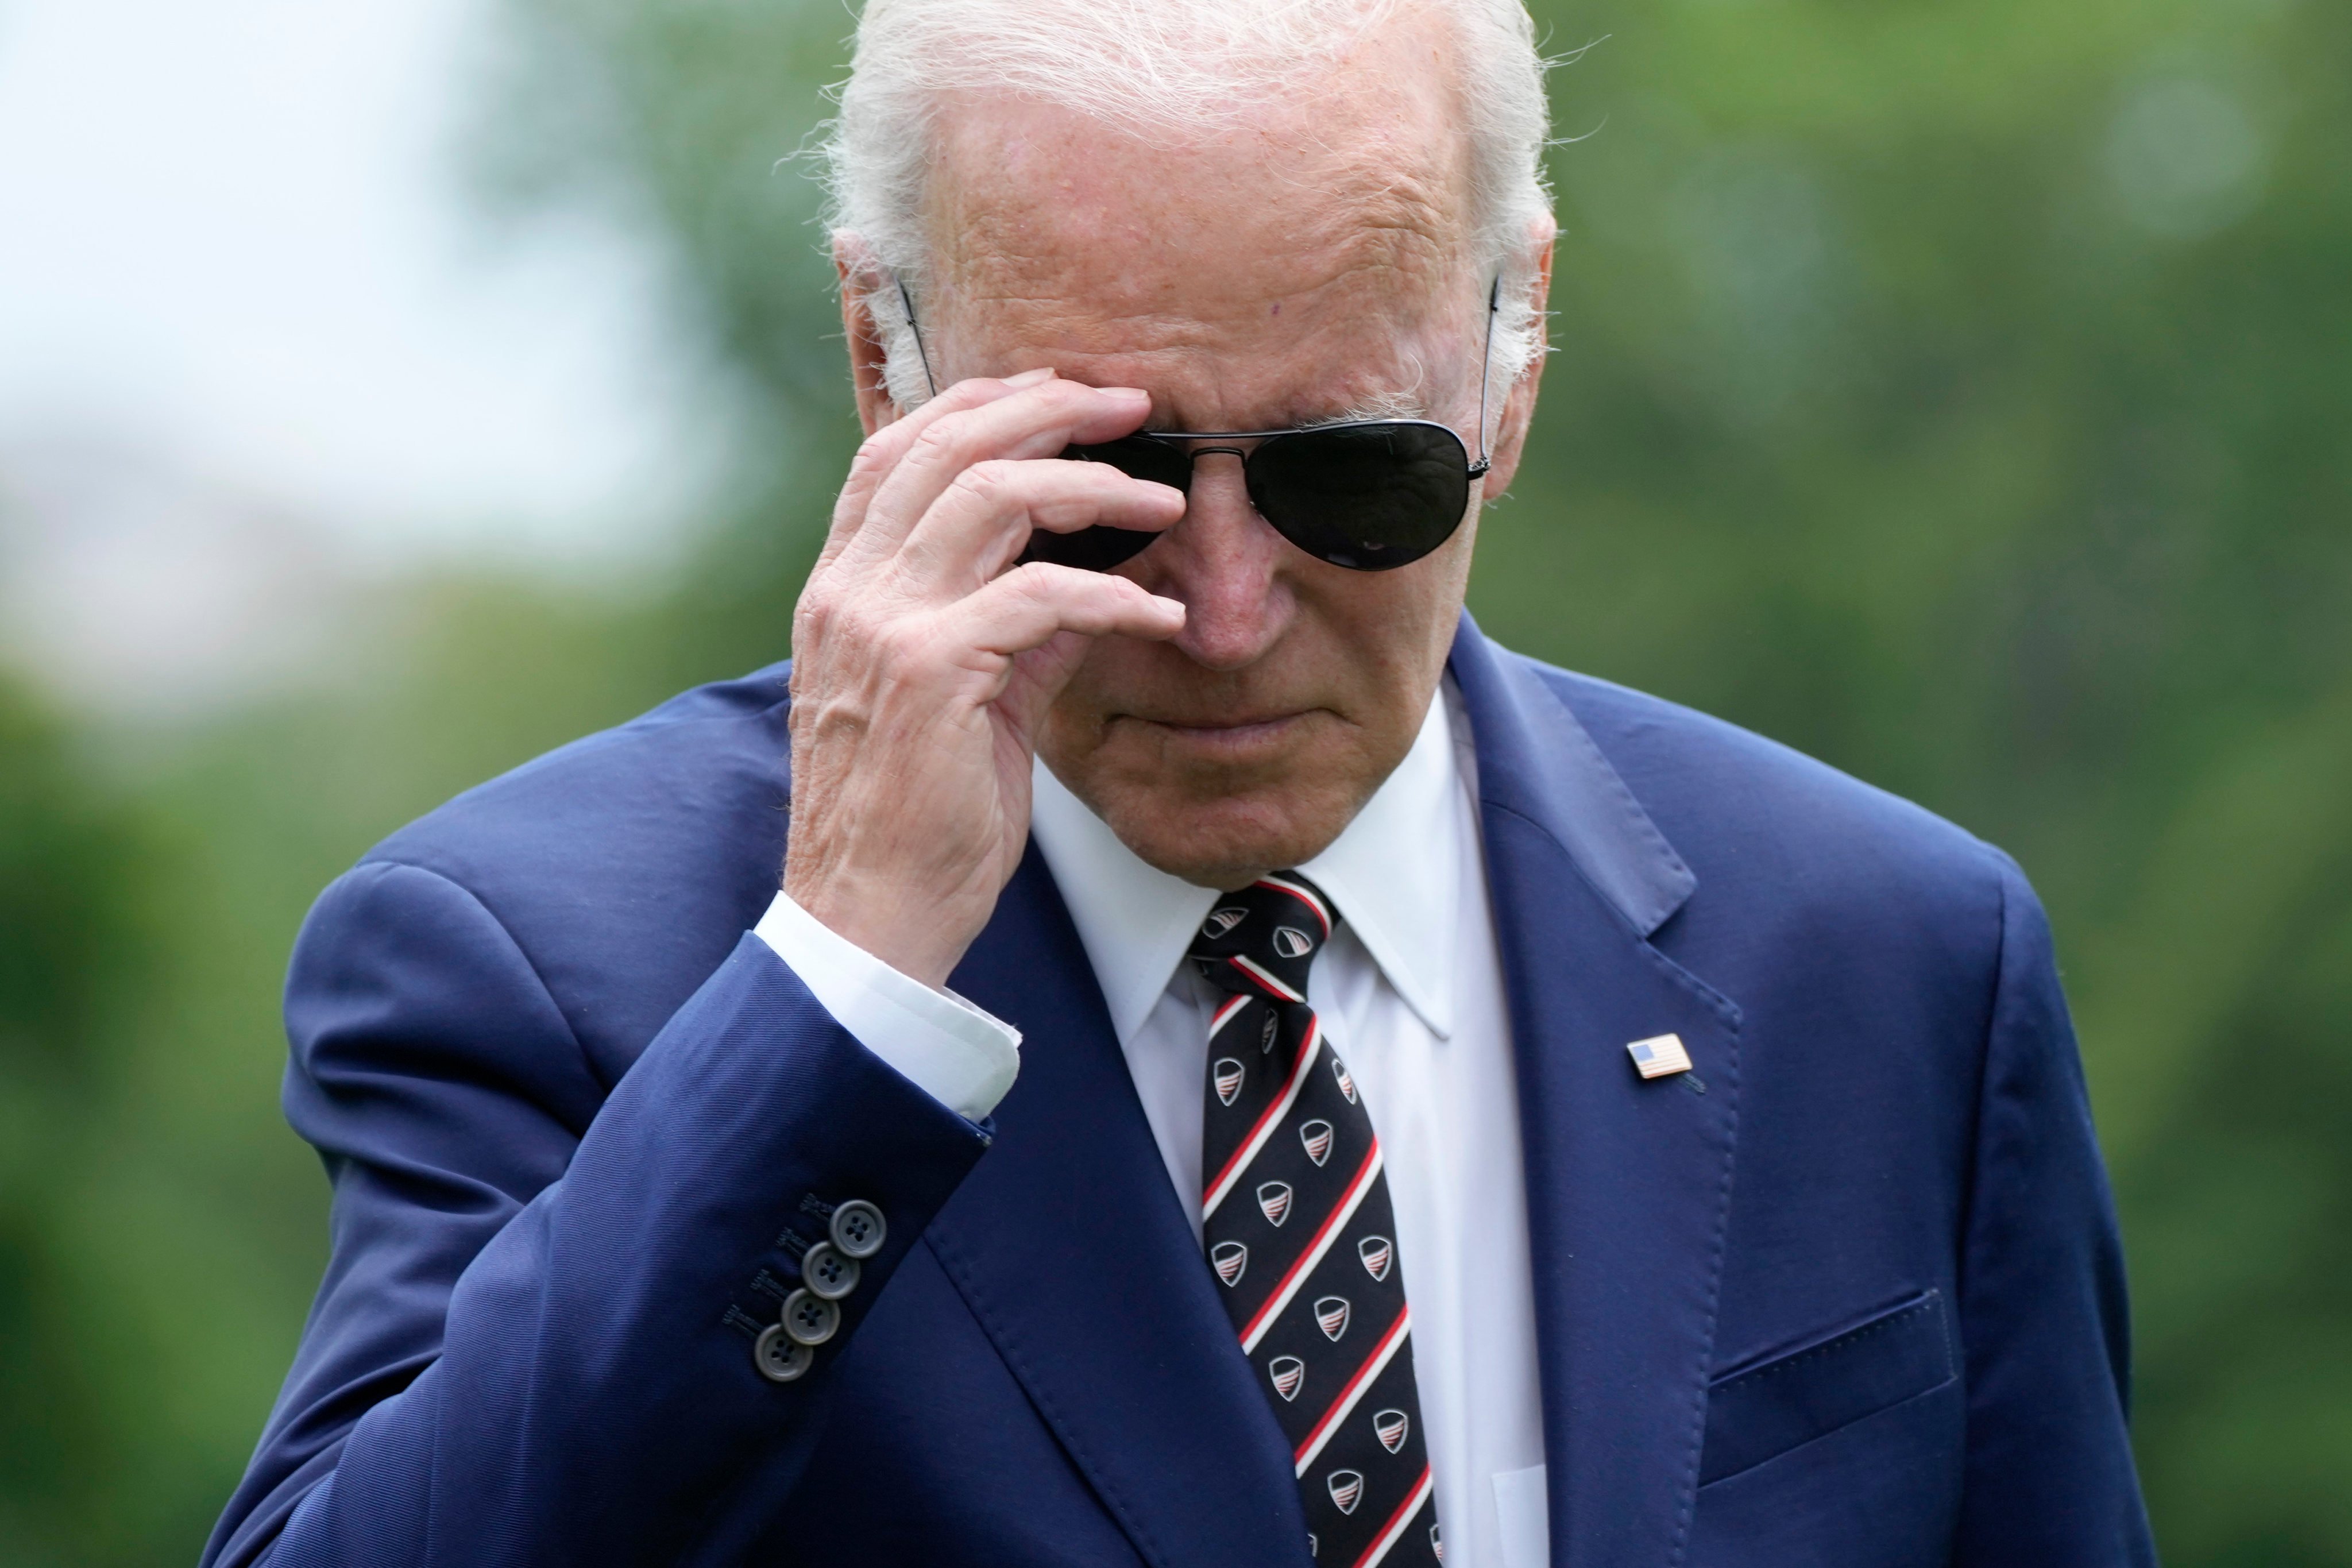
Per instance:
(1473,469)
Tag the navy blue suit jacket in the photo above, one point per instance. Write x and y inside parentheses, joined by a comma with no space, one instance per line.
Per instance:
(1847,1294)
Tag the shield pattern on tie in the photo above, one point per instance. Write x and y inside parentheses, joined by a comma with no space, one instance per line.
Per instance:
(1316,1137)
(1320,1306)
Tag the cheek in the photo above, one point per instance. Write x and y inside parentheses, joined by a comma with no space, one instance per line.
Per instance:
(1112,666)
(1387,628)
(1112,674)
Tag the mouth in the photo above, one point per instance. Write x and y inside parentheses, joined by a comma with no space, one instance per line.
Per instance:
(1222,737)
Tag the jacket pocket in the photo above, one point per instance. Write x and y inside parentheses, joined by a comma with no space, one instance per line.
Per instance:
(1756,1412)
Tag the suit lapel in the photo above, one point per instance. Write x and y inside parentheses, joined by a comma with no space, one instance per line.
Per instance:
(1629,1180)
(1069,1247)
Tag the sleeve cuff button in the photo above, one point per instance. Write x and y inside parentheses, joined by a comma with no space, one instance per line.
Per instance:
(858,1230)
(810,1319)
(779,1358)
(828,1273)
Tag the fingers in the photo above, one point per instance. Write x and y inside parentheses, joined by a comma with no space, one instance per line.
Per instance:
(983,520)
(1034,421)
(1029,606)
(881,451)
(950,497)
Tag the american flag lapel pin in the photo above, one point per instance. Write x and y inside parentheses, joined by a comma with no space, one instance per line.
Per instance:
(1659,1056)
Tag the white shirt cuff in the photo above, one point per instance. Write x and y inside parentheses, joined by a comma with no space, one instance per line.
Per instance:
(962,1058)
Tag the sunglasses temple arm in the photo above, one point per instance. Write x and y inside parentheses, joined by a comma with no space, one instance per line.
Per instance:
(932,386)
(1485,365)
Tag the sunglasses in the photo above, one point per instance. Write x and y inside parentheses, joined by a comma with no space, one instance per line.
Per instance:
(1366,494)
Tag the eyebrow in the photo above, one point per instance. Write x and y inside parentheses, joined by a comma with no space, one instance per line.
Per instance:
(1380,406)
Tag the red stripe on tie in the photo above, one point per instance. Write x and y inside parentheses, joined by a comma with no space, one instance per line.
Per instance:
(1226,1013)
(1397,1521)
(1374,1364)
(1303,896)
(1263,980)
(1263,1129)
(1358,1185)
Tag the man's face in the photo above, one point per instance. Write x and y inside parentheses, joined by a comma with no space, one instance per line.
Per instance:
(1305,267)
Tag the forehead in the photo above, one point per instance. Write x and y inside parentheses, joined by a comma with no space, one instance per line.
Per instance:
(1328,226)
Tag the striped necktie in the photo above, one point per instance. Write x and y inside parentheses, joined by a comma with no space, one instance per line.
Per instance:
(1296,1217)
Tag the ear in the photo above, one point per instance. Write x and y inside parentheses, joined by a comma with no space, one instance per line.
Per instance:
(859,276)
(1520,404)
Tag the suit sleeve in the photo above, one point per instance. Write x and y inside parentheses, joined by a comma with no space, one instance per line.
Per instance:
(2050,1480)
(534,1340)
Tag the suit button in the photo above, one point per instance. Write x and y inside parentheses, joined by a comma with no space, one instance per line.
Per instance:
(778,1358)
(828,1274)
(858,1230)
(809,1319)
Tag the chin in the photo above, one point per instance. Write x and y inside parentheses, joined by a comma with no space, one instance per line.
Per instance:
(1220,809)
(1225,841)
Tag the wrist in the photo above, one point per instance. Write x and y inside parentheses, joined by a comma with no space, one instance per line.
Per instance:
(913,935)
(960,1054)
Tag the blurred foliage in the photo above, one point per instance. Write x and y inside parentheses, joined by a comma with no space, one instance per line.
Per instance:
(1954,390)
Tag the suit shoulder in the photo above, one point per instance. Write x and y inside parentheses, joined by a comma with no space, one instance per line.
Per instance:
(627,864)
(692,754)
(1751,816)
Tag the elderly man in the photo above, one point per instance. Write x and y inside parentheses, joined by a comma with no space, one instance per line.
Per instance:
(1240,1068)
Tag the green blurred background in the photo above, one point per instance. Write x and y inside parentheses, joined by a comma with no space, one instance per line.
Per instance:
(1954,389)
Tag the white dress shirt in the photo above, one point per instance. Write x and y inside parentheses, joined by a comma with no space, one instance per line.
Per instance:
(1410,991)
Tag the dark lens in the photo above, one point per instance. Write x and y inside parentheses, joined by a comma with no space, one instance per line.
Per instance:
(1141,457)
(1369,496)
(1100,549)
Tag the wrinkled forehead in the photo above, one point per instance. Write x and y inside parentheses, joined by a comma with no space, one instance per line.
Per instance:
(1346,205)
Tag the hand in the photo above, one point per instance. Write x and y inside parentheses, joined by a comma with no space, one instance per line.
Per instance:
(922,667)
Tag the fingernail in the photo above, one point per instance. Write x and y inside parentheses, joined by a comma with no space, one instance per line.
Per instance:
(1031,377)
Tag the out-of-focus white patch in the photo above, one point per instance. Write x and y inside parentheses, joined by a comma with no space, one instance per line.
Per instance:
(2185,157)
(133,587)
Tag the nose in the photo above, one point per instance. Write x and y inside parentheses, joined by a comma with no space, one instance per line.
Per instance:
(1224,564)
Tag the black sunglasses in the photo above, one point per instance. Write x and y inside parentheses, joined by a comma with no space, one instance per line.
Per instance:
(1367,494)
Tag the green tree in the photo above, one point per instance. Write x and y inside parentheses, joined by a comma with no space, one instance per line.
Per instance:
(69,871)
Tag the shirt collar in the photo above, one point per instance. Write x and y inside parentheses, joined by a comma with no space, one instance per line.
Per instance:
(1390,872)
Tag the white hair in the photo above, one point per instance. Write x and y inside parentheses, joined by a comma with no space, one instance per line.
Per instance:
(1152,67)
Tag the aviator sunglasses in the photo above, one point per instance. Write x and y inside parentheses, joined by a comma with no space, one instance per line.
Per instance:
(1366,494)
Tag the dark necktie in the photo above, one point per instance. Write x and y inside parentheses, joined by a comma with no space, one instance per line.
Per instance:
(1296,1217)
